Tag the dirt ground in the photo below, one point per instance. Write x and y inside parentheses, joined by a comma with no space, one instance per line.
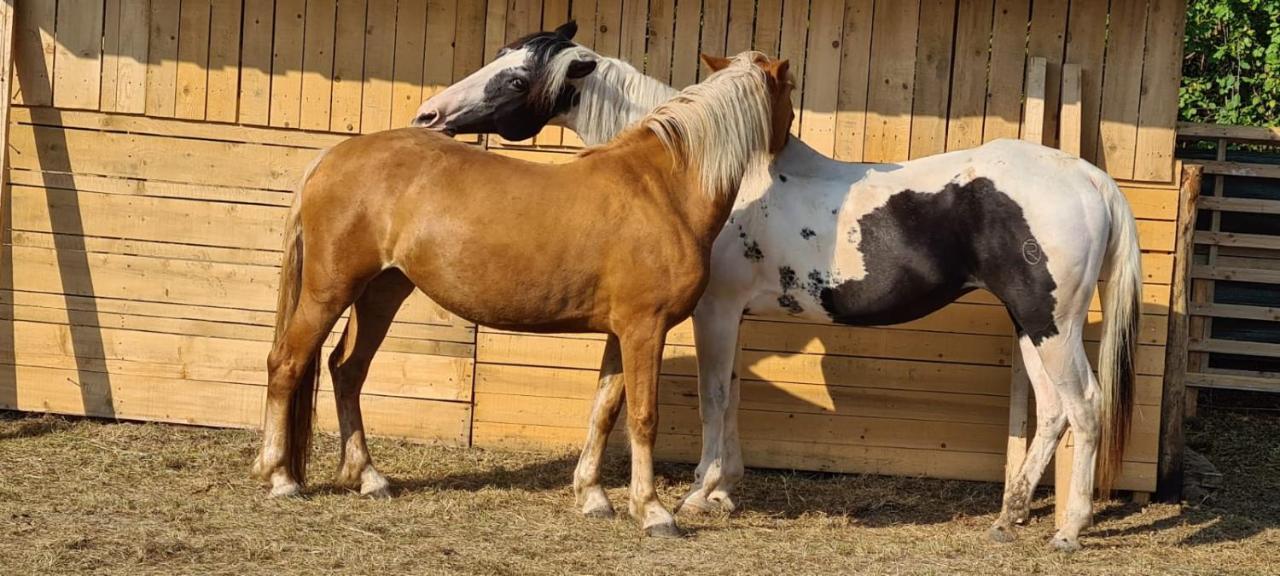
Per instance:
(83,496)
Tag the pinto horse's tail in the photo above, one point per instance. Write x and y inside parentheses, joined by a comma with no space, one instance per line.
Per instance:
(302,404)
(1121,313)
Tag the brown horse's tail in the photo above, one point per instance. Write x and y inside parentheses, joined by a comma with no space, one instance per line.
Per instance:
(302,404)
(1121,313)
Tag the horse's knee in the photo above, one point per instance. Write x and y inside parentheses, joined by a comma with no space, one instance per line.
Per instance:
(284,370)
(643,425)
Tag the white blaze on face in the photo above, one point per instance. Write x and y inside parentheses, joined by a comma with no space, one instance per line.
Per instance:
(470,91)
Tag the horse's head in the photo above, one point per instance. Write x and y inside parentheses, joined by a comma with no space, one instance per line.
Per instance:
(778,74)
(529,84)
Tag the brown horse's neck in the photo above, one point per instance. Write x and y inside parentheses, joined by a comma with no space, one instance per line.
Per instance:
(704,211)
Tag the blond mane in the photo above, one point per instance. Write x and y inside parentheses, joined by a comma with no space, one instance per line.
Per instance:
(719,127)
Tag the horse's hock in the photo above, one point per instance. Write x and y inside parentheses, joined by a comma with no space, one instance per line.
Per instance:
(153,147)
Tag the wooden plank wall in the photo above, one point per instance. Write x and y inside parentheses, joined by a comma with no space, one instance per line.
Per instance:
(155,144)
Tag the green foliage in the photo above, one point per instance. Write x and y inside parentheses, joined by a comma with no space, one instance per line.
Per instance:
(1231,70)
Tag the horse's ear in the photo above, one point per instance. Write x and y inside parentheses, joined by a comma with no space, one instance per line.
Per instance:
(580,68)
(715,63)
(782,69)
(568,29)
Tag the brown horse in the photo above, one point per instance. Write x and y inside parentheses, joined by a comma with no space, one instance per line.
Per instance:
(618,242)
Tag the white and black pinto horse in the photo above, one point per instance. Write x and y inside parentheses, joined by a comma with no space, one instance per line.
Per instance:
(865,244)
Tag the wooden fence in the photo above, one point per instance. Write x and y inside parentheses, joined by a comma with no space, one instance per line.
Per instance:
(155,144)
(1235,276)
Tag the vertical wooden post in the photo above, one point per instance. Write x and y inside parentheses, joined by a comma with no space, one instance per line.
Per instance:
(1020,383)
(1069,140)
(1173,397)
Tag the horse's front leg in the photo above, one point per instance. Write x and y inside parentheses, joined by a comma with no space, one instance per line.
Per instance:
(641,359)
(716,327)
(604,412)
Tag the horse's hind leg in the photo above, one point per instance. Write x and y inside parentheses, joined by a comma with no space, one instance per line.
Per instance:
(1082,402)
(716,326)
(293,358)
(371,316)
(1051,421)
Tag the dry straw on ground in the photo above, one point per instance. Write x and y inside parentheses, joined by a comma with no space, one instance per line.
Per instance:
(79,496)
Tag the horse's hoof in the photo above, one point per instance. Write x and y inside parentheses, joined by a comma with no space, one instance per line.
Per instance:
(1064,545)
(1002,534)
(595,504)
(289,490)
(663,530)
(375,486)
(694,505)
(599,512)
(724,503)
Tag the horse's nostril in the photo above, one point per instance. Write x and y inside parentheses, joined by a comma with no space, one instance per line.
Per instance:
(426,119)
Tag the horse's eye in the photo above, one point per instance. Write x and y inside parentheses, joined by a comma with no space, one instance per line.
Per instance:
(519,84)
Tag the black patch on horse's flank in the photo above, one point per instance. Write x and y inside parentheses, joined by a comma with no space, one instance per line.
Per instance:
(753,251)
(921,250)
(807,233)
